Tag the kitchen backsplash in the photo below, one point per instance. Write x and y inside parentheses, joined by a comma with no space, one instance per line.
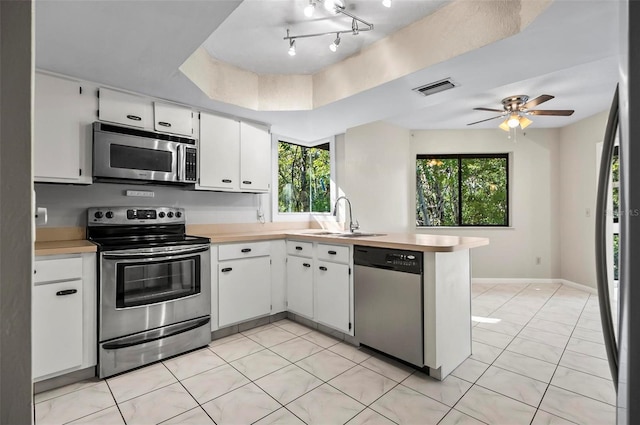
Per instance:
(67,204)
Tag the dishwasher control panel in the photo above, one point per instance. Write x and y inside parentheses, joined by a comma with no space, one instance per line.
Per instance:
(390,259)
(401,259)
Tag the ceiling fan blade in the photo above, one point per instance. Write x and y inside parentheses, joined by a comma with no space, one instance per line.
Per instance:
(488,109)
(535,102)
(488,119)
(556,112)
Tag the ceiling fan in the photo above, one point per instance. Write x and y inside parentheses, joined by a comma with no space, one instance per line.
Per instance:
(516,108)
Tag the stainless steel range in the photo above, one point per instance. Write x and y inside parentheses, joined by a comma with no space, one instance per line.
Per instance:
(154,286)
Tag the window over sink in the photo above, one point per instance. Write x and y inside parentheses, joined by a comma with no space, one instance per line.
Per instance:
(304,177)
(462,190)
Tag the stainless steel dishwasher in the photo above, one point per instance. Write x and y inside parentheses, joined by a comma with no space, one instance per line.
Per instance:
(389,301)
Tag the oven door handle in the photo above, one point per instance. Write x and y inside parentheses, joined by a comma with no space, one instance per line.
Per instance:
(156,334)
(150,255)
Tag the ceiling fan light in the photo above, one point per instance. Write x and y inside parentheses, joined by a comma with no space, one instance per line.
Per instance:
(524,122)
(513,121)
(309,9)
(504,125)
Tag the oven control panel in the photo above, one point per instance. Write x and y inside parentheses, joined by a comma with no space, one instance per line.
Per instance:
(106,216)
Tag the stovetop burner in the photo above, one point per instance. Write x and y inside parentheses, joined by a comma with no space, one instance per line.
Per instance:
(118,228)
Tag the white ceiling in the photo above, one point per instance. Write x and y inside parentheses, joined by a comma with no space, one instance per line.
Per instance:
(252,36)
(570,51)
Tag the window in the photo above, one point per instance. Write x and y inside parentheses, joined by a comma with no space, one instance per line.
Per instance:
(462,190)
(304,178)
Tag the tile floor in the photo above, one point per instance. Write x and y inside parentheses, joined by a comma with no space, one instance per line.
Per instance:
(538,358)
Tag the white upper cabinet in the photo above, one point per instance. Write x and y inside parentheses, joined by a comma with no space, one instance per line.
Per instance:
(255,158)
(219,153)
(173,119)
(62,130)
(124,108)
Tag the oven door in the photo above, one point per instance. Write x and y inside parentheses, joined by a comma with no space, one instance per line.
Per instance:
(129,157)
(144,289)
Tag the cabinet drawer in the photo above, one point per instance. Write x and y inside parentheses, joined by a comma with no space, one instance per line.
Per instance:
(243,250)
(302,249)
(336,253)
(57,269)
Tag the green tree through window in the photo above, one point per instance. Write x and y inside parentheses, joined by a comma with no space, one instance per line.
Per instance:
(304,178)
(462,190)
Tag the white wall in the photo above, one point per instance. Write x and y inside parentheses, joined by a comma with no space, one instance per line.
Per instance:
(375,175)
(67,204)
(578,182)
(533,192)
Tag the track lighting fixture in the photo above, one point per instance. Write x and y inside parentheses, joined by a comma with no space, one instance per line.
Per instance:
(309,9)
(337,7)
(333,6)
(334,46)
(386,3)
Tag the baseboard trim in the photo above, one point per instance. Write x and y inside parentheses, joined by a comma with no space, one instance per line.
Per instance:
(579,286)
(569,283)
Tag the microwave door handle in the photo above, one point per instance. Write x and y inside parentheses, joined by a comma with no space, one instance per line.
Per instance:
(180,160)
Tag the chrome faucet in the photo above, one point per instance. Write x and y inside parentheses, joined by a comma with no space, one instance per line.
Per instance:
(353,226)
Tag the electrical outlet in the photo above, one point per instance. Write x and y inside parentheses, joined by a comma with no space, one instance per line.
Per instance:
(587,212)
(538,260)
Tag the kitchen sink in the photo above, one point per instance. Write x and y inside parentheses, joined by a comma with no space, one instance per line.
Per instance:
(323,233)
(358,235)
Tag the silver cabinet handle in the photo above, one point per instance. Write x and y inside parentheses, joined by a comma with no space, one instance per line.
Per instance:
(164,123)
(66,292)
(134,117)
(306,264)
(226,269)
(323,268)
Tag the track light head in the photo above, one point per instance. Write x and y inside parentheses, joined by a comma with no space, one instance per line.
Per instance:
(292,47)
(309,9)
(354,27)
(332,6)
(334,46)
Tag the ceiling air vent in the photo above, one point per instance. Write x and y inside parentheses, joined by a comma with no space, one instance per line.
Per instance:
(432,88)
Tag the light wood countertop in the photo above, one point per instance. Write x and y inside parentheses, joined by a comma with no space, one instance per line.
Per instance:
(410,241)
(77,246)
(70,243)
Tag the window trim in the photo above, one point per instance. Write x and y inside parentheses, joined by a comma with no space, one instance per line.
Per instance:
(460,157)
(300,216)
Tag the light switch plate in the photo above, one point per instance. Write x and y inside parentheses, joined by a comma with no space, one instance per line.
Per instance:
(141,193)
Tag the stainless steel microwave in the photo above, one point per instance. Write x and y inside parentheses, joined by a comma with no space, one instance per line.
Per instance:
(129,154)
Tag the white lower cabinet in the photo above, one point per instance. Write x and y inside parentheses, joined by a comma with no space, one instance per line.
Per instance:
(319,283)
(244,289)
(300,285)
(63,315)
(57,327)
(333,298)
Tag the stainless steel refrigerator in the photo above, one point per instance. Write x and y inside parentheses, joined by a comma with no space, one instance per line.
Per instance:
(623,349)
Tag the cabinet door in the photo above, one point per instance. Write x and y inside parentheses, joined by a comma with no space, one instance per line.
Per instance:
(124,108)
(172,119)
(300,286)
(278,276)
(57,327)
(332,295)
(244,289)
(219,153)
(255,158)
(59,131)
